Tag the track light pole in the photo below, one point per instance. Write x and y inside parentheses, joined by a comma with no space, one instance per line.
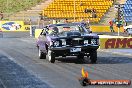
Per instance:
(74,10)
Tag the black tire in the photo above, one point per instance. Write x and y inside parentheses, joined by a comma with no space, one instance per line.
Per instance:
(41,54)
(80,58)
(93,56)
(51,56)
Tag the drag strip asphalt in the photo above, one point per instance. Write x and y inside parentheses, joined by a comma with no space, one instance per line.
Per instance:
(64,73)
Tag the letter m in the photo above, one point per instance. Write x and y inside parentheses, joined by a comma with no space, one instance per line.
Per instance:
(121,42)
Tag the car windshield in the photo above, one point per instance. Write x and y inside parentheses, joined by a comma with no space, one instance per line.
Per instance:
(65,28)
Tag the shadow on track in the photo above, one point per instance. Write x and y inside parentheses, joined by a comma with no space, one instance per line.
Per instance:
(73,60)
(101,60)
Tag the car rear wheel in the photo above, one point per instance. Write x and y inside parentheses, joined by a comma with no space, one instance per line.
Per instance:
(51,56)
(41,54)
(93,56)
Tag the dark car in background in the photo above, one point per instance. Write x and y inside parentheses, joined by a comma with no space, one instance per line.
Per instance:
(71,39)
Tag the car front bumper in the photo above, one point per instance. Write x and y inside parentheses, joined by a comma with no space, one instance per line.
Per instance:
(66,51)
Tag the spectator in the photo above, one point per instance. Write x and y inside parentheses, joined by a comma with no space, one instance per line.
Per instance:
(41,16)
(87,23)
(111,26)
(66,21)
(86,10)
(94,15)
(81,4)
(1,15)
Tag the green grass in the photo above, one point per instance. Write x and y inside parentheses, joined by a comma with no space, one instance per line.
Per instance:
(12,6)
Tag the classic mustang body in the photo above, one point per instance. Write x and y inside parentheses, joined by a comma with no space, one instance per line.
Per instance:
(71,39)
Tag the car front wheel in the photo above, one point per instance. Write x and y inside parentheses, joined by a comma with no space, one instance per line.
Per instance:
(51,56)
(93,56)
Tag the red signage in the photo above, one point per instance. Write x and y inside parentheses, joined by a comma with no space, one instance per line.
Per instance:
(118,43)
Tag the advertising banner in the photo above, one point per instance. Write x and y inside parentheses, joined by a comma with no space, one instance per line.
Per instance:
(12,26)
(114,43)
(105,29)
(37,32)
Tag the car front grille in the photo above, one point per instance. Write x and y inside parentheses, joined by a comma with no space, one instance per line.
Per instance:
(77,42)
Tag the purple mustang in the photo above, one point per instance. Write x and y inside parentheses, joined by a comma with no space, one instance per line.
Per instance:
(71,39)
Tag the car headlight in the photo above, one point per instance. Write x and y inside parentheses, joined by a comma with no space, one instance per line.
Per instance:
(56,43)
(93,41)
(63,42)
(85,42)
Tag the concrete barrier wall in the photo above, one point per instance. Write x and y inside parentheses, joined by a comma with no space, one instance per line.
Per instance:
(105,29)
(116,43)
(19,26)
(14,26)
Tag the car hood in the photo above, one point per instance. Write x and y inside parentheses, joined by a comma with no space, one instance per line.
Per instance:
(73,34)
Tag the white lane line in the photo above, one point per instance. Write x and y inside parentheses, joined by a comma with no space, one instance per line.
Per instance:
(118,53)
(3,84)
(25,67)
(3,53)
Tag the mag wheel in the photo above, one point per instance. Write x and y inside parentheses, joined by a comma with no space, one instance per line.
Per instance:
(51,56)
(93,56)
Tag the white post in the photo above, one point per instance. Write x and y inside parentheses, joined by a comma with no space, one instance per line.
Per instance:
(118,31)
(30,30)
(7,9)
(74,10)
